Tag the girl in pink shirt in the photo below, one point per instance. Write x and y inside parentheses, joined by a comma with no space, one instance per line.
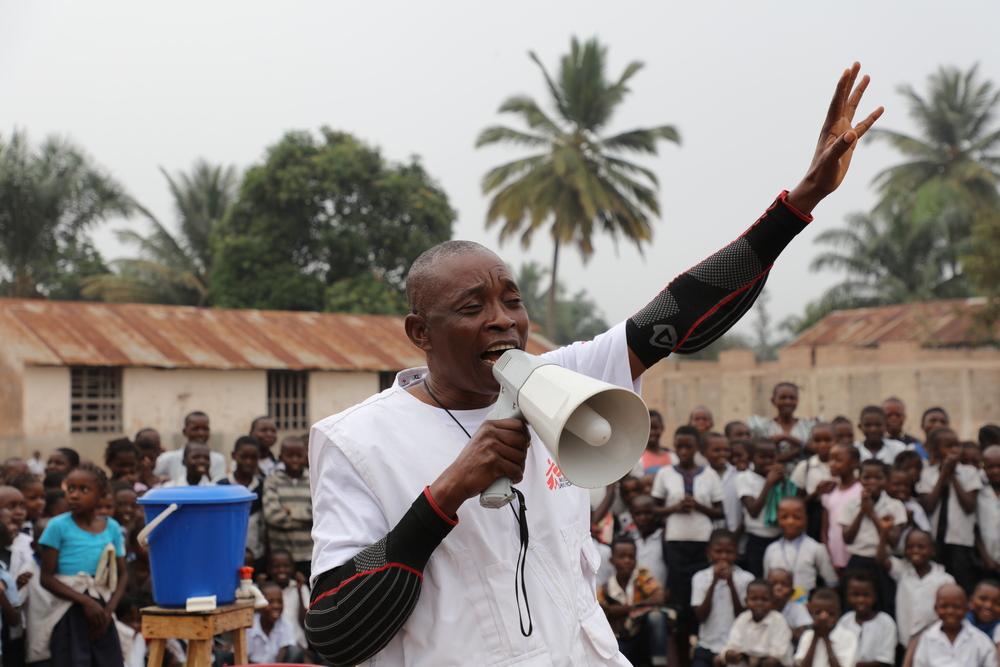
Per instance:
(844,461)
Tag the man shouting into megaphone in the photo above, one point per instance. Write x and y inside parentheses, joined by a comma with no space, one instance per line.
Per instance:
(406,571)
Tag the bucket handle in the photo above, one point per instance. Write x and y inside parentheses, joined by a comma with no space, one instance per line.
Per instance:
(143,536)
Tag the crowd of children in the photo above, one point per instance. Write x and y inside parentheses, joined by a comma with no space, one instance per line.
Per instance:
(778,541)
(73,574)
(787,541)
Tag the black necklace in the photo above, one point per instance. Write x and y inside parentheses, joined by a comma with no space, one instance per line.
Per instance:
(522,525)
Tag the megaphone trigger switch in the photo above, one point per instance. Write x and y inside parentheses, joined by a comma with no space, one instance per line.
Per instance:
(589,426)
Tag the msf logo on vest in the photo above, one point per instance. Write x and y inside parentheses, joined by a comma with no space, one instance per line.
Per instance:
(554,479)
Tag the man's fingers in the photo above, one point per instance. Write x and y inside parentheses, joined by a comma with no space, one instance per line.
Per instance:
(837,149)
(855,99)
(866,124)
(837,103)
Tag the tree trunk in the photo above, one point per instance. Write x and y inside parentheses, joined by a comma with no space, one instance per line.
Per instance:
(550,307)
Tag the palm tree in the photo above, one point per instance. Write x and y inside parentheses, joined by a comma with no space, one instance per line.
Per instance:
(48,198)
(952,169)
(578,181)
(174,269)
(890,258)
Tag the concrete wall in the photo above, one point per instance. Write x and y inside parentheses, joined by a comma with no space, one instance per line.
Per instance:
(161,397)
(36,414)
(833,381)
(330,392)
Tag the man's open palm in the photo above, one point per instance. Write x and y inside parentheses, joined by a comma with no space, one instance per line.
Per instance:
(837,139)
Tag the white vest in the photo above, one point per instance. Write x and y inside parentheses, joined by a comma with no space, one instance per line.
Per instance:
(467,612)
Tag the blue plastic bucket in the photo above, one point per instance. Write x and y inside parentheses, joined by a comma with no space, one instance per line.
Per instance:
(197,548)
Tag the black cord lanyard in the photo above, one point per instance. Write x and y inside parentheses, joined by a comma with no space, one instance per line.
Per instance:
(522,524)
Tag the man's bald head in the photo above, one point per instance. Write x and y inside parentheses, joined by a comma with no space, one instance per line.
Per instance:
(423,278)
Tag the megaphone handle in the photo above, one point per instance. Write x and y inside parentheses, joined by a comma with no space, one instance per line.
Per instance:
(499,494)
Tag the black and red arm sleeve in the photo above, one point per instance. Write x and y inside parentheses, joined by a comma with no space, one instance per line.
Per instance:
(702,303)
(358,607)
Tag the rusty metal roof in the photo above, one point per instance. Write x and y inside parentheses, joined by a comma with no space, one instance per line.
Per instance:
(945,323)
(81,333)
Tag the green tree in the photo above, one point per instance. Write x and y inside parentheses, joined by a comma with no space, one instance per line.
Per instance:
(888,258)
(174,269)
(951,168)
(49,198)
(322,210)
(578,181)
(576,318)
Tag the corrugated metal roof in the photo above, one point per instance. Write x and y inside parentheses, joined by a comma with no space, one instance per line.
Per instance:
(944,323)
(80,333)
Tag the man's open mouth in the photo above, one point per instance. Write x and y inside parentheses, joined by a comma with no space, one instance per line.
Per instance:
(493,352)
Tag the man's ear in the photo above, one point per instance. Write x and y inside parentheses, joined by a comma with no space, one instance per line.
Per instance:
(417,331)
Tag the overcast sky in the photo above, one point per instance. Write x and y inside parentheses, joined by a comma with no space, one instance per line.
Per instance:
(140,85)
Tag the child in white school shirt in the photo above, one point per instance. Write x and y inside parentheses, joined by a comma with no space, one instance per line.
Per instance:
(988,512)
(868,520)
(917,580)
(798,553)
(945,481)
(760,637)
(952,641)
(826,644)
(717,596)
(796,613)
(875,630)
(813,478)
(689,497)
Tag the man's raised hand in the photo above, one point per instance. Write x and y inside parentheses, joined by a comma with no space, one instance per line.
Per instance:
(837,141)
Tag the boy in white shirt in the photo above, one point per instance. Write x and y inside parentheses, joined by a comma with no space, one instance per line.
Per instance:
(689,496)
(813,478)
(826,644)
(760,637)
(648,538)
(271,638)
(866,521)
(754,486)
(946,483)
(988,512)
(875,630)
(953,641)
(718,453)
(798,553)
(875,445)
(717,596)
(796,614)
(917,580)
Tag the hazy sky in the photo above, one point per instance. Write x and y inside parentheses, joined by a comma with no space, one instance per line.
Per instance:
(141,85)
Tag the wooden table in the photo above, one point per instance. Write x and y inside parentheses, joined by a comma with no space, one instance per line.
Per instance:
(197,628)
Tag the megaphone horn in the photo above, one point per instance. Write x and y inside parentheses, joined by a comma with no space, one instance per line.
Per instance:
(595,431)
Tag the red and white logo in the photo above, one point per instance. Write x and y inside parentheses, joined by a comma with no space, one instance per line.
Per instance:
(554,479)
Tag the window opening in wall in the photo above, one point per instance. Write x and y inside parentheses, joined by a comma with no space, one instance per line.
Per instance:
(287,392)
(95,399)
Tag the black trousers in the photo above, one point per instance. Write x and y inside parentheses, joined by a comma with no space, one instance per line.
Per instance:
(756,546)
(72,646)
(960,563)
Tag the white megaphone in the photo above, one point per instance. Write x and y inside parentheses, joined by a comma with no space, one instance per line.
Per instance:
(595,431)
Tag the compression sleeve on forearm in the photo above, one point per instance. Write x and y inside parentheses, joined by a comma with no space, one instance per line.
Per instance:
(702,303)
(358,607)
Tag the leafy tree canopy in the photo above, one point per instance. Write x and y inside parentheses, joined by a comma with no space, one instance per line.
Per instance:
(49,197)
(319,211)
